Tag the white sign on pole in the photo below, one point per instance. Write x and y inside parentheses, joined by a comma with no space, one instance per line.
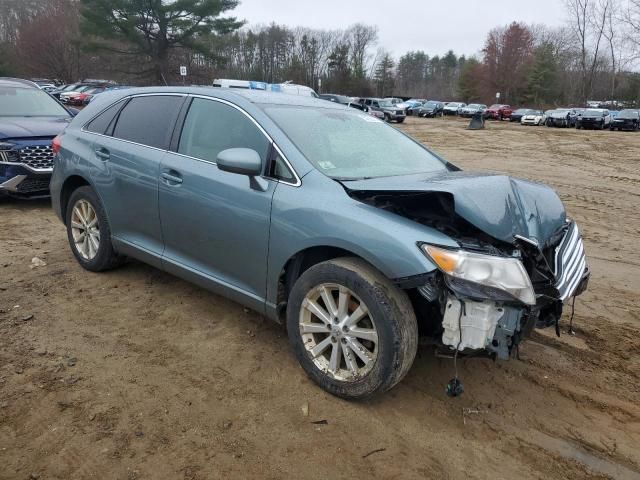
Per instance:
(498,95)
(183,71)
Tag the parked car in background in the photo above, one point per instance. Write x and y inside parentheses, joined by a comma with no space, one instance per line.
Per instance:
(562,117)
(471,109)
(332,97)
(82,96)
(627,119)
(594,118)
(29,120)
(67,96)
(498,112)
(358,104)
(352,236)
(517,115)
(391,113)
(412,104)
(65,88)
(430,109)
(453,108)
(92,95)
(533,117)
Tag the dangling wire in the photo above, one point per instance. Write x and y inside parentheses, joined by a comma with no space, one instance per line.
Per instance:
(573,311)
(455,387)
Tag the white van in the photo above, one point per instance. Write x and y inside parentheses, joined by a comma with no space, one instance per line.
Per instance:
(288,88)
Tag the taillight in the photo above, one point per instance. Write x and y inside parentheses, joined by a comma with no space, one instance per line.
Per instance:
(56,144)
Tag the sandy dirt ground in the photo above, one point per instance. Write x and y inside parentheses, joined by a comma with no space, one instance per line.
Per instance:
(135,374)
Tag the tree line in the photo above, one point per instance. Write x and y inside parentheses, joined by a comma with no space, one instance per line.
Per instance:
(595,55)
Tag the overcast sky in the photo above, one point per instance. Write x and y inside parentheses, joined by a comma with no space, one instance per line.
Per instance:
(434,26)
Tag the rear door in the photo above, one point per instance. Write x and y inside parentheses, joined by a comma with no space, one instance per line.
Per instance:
(132,151)
(215,224)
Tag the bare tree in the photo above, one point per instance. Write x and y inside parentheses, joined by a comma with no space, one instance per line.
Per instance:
(361,38)
(588,21)
(48,44)
(631,18)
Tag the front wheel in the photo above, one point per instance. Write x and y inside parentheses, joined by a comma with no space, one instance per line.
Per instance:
(387,118)
(354,333)
(88,231)
(400,120)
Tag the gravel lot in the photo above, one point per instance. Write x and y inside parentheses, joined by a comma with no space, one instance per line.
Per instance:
(135,374)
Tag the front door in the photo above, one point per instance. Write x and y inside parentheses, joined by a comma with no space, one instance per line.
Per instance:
(214,224)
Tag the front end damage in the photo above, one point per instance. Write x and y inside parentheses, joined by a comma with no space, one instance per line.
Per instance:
(515,268)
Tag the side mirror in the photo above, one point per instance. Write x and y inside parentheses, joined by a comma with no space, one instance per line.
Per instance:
(243,161)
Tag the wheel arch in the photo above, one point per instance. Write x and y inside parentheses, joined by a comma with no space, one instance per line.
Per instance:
(300,262)
(70,185)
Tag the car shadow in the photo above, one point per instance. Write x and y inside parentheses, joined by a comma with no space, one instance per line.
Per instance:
(25,203)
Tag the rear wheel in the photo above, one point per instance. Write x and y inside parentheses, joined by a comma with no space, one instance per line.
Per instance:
(354,333)
(88,231)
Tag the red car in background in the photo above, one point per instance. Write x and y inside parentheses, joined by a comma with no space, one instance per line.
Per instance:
(79,96)
(498,112)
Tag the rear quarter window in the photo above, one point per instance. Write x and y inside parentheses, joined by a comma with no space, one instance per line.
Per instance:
(148,120)
(102,123)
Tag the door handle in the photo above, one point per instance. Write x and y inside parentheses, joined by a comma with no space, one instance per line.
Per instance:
(102,154)
(171,178)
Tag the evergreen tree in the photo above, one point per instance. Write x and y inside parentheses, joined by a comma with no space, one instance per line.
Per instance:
(541,88)
(151,29)
(384,75)
(469,88)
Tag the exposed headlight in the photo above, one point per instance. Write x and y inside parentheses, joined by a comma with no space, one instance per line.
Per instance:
(502,274)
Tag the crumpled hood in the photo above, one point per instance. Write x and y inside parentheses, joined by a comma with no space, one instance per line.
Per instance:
(499,205)
(22,127)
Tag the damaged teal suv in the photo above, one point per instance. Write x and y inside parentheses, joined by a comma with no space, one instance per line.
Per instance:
(320,217)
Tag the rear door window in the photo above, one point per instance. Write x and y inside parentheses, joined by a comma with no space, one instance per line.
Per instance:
(211,127)
(148,120)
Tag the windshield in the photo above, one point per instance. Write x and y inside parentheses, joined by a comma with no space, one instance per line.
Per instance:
(348,145)
(28,102)
(431,104)
(385,103)
(593,113)
(475,105)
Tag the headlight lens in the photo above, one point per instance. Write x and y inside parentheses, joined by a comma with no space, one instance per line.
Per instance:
(501,273)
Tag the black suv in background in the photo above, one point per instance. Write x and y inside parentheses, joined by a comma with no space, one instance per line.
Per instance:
(626,120)
(29,120)
(332,97)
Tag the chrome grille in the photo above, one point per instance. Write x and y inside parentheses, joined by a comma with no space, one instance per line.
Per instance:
(570,262)
(38,157)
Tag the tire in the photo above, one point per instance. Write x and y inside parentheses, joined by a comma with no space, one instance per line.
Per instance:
(390,315)
(400,120)
(387,118)
(99,259)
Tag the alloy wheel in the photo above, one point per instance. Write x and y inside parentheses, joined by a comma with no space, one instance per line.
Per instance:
(85,229)
(338,332)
